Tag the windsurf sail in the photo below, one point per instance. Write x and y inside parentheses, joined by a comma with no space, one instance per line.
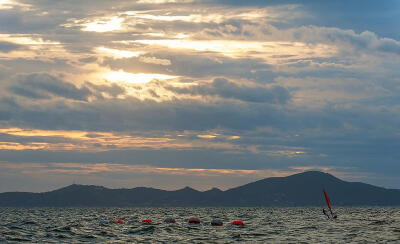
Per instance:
(328,202)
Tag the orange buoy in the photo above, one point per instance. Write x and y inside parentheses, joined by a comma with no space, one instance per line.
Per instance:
(146,221)
(120,221)
(193,221)
(237,222)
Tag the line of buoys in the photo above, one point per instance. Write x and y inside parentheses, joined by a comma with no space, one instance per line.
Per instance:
(114,221)
(118,221)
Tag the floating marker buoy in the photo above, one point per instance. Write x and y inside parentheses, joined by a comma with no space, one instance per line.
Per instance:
(193,221)
(146,221)
(169,220)
(237,222)
(119,221)
(216,222)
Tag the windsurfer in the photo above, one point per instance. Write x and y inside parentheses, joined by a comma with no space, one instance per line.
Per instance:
(325,213)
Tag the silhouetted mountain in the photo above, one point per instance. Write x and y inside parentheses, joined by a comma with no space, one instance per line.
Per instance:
(304,189)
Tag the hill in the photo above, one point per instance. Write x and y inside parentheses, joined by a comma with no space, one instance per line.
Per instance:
(303,189)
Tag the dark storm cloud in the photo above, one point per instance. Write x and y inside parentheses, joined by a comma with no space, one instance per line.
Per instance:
(45,86)
(7,46)
(133,114)
(226,89)
(16,21)
(41,85)
(13,67)
(112,90)
(195,65)
(88,60)
(28,92)
(180,115)
(7,106)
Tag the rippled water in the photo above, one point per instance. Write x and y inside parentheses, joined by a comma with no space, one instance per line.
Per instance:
(262,225)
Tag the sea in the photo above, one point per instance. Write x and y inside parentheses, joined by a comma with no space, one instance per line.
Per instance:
(261,225)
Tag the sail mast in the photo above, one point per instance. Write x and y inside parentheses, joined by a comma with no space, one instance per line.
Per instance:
(328,202)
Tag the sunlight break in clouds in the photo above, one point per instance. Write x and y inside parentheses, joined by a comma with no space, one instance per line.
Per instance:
(154,60)
(269,51)
(82,140)
(92,141)
(200,15)
(20,147)
(28,40)
(34,47)
(101,25)
(9,4)
(207,136)
(6,4)
(137,78)
(116,53)
(223,176)
(73,168)
(36,133)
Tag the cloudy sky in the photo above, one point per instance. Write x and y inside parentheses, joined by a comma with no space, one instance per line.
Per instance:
(212,93)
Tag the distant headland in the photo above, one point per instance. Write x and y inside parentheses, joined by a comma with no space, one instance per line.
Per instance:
(303,189)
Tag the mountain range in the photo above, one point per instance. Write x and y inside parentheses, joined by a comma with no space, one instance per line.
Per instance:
(303,189)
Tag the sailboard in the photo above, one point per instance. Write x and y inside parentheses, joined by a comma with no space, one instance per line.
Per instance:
(328,202)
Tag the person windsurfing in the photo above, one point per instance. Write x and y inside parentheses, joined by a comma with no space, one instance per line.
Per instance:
(328,202)
(325,213)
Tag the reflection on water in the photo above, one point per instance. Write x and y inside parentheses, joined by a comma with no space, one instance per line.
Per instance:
(262,225)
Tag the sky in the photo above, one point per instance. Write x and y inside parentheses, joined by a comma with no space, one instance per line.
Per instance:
(212,93)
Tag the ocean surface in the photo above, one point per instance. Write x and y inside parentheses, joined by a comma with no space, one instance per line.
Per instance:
(262,225)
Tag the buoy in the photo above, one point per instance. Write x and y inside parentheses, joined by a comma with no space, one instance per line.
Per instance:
(193,221)
(237,222)
(169,220)
(120,221)
(146,221)
(104,221)
(217,222)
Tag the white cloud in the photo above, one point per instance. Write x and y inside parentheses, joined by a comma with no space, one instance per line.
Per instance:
(9,4)
(290,89)
(154,60)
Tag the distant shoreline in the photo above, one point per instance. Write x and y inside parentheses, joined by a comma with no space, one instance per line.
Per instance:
(298,190)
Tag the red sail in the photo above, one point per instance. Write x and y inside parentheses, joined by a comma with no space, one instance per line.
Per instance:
(328,201)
